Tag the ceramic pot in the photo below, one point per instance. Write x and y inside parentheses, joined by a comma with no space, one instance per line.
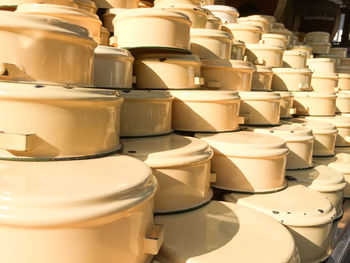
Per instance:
(315,103)
(317,37)
(249,34)
(261,54)
(227,14)
(321,65)
(290,79)
(343,81)
(275,40)
(260,21)
(294,59)
(321,82)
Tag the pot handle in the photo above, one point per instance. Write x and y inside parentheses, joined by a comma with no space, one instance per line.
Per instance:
(292,111)
(243,117)
(212,177)
(347,138)
(198,81)
(16,141)
(9,71)
(259,61)
(213,85)
(154,240)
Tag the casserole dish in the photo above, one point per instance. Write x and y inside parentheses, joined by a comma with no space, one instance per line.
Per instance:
(291,79)
(315,103)
(263,54)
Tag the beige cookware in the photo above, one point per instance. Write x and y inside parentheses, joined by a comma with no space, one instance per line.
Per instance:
(286,105)
(294,59)
(260,21)
(345,62)
(94,208)
(263,54)
(343,69)
(271,19)
(167,71)
(291,79)
(285,32)
(213,22)
(262,78)
(299,141)
(211,43)
(181,166)
(324,82)
(72,15)
(113,68)
(343,81)
(303,48)
(227,14)
(341,163)
(104,36)
(306,213)
(56,122)
(336,58)
(87,5)
(317,37)
(321,65)
(222,231)
(145,113)
(247,162)
(315,103)
(320,48)
(275,40)
(250,34)
(237,50)
(109,15)
(152,27)
(227,74)
(260,108)
(343,102)
(323,179)
(205,110)
(116,3)
(34,56)
(339,51)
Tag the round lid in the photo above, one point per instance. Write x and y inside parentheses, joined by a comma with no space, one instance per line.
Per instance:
(307,47)
(317,33)
(269,18)
(223,8)
(288,132)
(63,192)
(338,121)
(321,60)
(259,95)
(161,56)
(255,18)
(296,205)
(341,163)
(113,52)
(295,53)
(282,31)
(263,69)
(292,70)
(42,23)
(205,32)
(244,27)
(222,230)
(205,95)
(317,126)
(311,94)
(245,144)
(264,47)
(278,36)
(286,94)
(44,92)
(320,178)
(325,75)
(144,94)
(167,151)
(223,63)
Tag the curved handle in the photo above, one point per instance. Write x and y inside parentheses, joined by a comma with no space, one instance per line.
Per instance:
(212,177)
(198,81)
(243,117)
(213,85)
(16,142)
(259,61)
(154,240)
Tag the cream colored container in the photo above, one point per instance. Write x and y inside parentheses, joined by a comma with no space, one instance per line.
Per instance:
(247,161)
(113,68)
(324,82)
(315,103)
(104,36)
(321,65)
(56,122)
(237,50)
(345,62)
(307,214)
(211,43)
(250,34)
(34,57)
(262,78)
(339,51)
(286,105)
(181,166)
(341,163)
(222,230)
(299,141)
(317,37)
(337,59)
(152,27)
(87,5)
(275,40)
(145,113)
(108,17)
(227,74)
(320,48)
(285,32)
(323,179)
(343,69)
(343,81)
(167,71)
(197,15)
(205,111)
(271,19)
(343,102)
(303,48)
(116,3)
(261,54)
(72,15)
(290,79)
(260,21)
(294,59)
(213,22)
(227,14)
(260,108)
(91,206)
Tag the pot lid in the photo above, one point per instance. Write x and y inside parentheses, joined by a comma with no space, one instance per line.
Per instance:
(296,205)
(205,95)
(264,47)
(193,7)
(321,60)
(205,32)
(42,23)
(294,52)
(288,132)
(161,56)
(317,126)
(64,192)
(167,151)
(222,230)
(225,63)
(293,70)
(341,163)
(325,75)
(245,144)
(278,36)
(44,92)
(317,33)
(286,94)
(223,8)
(112,52)
(259,95)
(320,178)
(338,121)
(144,94)
(282,31)
(263,69)
(260,19)
(269,18)
(311,94)
(307,47)
(245,27)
